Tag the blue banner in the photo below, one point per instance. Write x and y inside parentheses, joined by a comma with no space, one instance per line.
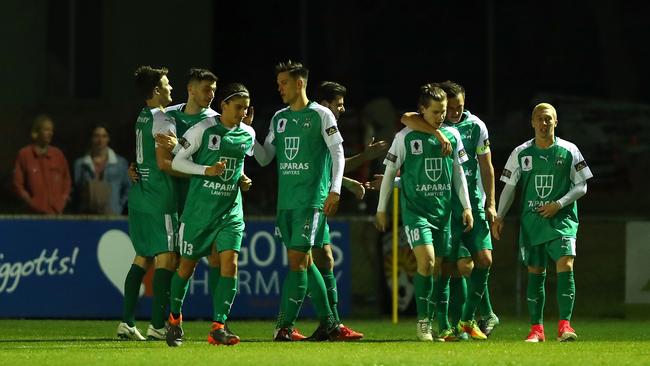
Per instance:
(72,268)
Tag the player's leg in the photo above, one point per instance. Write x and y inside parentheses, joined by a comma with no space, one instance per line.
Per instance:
(563,252)
(442,275)
(423,280)
(458,290)
(536,261)
(126,329)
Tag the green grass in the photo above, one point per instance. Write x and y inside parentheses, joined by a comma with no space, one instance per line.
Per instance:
(80,342)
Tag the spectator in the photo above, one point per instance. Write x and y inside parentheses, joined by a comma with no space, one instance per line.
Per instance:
(41,174)
(100,177)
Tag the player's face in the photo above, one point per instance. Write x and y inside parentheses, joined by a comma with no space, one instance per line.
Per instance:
(544,122)
(337,106)
(45,133)
(287,87)
(202,92)
(234,109)
(435,113)
(164,90)
(100,138)
(455,108)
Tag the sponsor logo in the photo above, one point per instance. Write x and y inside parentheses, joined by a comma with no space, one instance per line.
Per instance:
(506,173)
(433,168)
(526,163)
(462,153)
(184,143)
(291,147)
(416,147)
(391,157)
(214,142)
(543,185)
(545,158)
(331,130)
(282,124)
(581,165)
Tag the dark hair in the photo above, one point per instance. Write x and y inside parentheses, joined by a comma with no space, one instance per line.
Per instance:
(147,78)
(452,89)
(431,92)
(295,69)
(100,125)
(330,90)
(201,75)
(230,91)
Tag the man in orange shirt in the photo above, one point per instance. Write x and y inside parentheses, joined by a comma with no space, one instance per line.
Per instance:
(41,175)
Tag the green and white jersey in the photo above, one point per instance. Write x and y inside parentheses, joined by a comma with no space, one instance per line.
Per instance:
(155,191)
(301,139)
(207,143)
(185,121)
(474,135)
(546,175)
(426,174)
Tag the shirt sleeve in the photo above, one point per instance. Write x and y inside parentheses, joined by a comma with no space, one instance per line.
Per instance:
(512,171)
(329,129)
(183,160)
(580,171)
(397,152)
(483,143)
(162,124)
(460,155)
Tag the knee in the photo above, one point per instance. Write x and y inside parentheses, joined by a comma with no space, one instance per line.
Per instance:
(465,267)
(565,264)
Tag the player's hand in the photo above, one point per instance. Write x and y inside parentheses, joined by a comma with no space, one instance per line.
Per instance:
(375,150)
(497,226)
(375,183)
(245,183)
(250,114)
(216,169)
(355,187)
(549,210)
(468,219)
(445,144)
(490,213)
(166,140)
(133,173)
(380,221)
(331,204)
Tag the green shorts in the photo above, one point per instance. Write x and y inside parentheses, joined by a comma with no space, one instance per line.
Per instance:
(537,255)
(152,234)
(423,233)
(464,244)
(196,241)
(326,237)
(300,229)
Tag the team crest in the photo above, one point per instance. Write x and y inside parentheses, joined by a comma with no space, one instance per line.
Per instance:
(416,147)
(433,168)
(543,185)
(307,123)
(214,142)
(291,147)
(526,163)
(282,124)
(230,168)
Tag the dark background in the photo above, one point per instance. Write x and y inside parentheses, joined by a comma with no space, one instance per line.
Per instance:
(74,60)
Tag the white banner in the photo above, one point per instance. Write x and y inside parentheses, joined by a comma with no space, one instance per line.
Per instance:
(637,257)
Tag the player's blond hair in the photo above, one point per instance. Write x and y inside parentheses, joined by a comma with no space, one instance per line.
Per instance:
(542,106)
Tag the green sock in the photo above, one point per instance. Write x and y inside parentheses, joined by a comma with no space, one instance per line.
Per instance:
(332,291)
(423,287)
(283,302)
(161,292)
(478,280)
(442,301)
(319,298)
(213,278)
(457,298)
(293,295)
(132,293)
(485,307)
(178,290)
(536,297)
(222,299)
(566,293)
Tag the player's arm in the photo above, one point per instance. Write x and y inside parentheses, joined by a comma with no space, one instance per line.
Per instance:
(354,186)
(460,184)
(372,151)
(338,165)
(487,171)
(264,154)
(164,160)
(509,176)
(551,209)
(416,122)
(385,191)
(183,160)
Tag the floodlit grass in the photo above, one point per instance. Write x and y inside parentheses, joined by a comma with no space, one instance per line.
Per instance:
(83,342)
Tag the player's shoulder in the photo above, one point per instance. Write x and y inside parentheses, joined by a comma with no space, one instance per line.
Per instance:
(175,107)
(248,129)
(323,112)
(211,113)
(203,125)
(401,134)
(568,145)
(474,119)
(280,113)
(451,131)
(161,116)
(524,146)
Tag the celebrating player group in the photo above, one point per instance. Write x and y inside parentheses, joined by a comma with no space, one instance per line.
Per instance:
(186,204)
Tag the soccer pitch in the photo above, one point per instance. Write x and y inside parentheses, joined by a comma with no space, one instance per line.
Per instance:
(84,342)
